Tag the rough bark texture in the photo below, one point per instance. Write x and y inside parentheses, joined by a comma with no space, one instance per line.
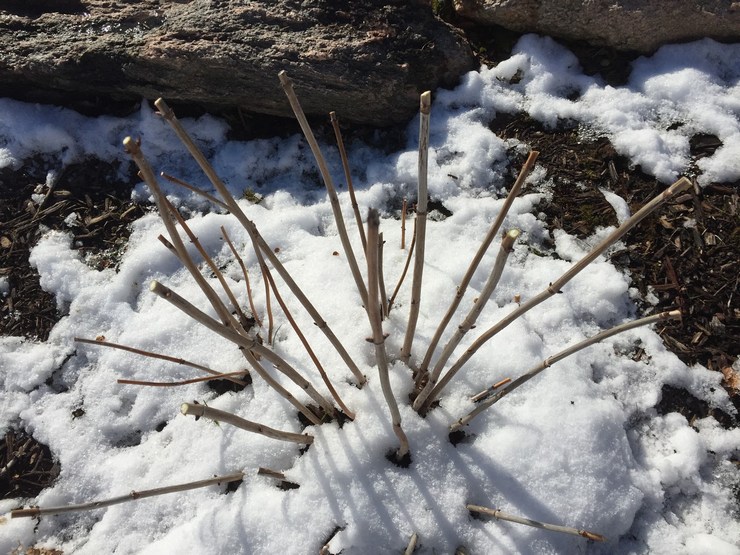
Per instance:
(367,60)
(639,25)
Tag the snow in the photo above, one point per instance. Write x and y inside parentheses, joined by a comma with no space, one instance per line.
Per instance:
(581,445)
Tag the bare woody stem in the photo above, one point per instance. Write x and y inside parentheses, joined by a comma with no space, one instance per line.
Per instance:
(488,239)
(486,392)
(404,271)
(679,186)
(412,544)
(234,420)
(211,264)
(374,313)
(495,513)
(425,102)
(348,178)
(133,496)
(133,149)
(193,189)
(307,346)
(507,245)
(159,356)
(403,222)
(257,240)
(248,346)
(182,382)
(243,267)
(328,182)
(381,279)
(672,315)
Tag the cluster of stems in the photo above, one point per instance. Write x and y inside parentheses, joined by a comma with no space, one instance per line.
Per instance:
(237,324)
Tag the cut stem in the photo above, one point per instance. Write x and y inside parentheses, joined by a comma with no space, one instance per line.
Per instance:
(425,102)
(412,544)
(243,266)
(307,346)
(404,207)
(257,240)
(507,245)
(679,186)
(248,346)
(405,270)
(672,315)
(348,177)
(373,310)
(183,382)
(132,496)
(223,416)
(194,189)
(159,356)
(495,513)
(488,239)
(328,182)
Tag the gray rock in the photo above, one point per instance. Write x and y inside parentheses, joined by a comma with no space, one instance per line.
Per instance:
(638,25)
(367,60)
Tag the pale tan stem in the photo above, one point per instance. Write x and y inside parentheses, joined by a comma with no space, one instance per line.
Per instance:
(373,310)
(470,272)
(679,186)
(243,266)
(403,222)
(425,104)
(211,264)
(381,280)
(134,150)
(150,354)
(132,496)
(405,270)
(507,245)
(194,189)
(348,177)
(486,392)
(412,544)
(495,513)
(672,315)
(234,420)
(182,382)
(328,182)
(307,346)
(258,250)
(247,345)
(258,242)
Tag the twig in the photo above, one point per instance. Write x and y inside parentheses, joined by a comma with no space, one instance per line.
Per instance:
(412,544)
(223,416)
(487,240)
(307,346)
(403,222)
(672,315)
(159,356)
(194,189)
(331,191)
(211,264)
(258,251)
(257,240)
(421,225)
(348,177)
(246,343)
(507,245)
(495,513)
(679,186)
(134,150)
(405,269)
(381,280)
(240,261)
(373,310)
(183,382)
(486,392)
(134,495)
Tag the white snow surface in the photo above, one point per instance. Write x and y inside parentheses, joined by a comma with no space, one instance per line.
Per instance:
(581,445)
